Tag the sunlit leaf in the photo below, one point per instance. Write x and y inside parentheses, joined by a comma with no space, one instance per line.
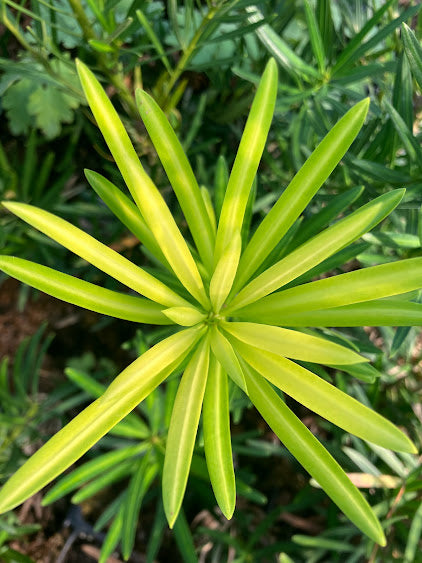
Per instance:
(353,287)
(180,174)
(129,388)
(313,456)
(82,293)
(300,190)
(147,197)
(247,160)
(224,273)
(182,431)
(325,399)
(96,253)
(292,344)
(319,248)
(217,443)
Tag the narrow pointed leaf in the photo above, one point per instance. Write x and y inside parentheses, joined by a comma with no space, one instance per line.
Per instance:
(315,36)
(106,479)
(143,20)
(132,426)
(126,211)
(384,312)
(360,48)
(301,189)
(325,399)
(413,52)
(147,197)
(223,351)
(247,160)
(182,431)
(96,253)
(278,48)
(184,316)
(217,443)
(138,486)
(82,293)
(88,471)
(353,287)
(224,273)
(129,388)
(313,456)
(292,344)
(319,248)
(206,196)
(334,207)
(358,40)
(180,174)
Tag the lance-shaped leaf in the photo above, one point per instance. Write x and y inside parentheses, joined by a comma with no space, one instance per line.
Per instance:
(217,443)
(325,399)
(138,487)
(206,196)
(96,253)
(147,197)
(180,174)
(126,211)
(224,273)
(354,287)
(223,351)
(247,159)
(184,316)
(313,456)
(300,191)
(413,52)
(82,293)
(292,344)
(129,388)
(89,470)
(385,312)
(319,248)
(182,431)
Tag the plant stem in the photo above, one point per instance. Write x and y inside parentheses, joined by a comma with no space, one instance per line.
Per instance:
(187,54)
(115,78)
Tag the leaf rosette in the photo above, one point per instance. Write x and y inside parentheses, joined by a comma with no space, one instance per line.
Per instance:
(241,323)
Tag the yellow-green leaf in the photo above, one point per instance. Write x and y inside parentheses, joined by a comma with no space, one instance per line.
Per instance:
(247,159)
(313,456)
(319,248)
(82,293)
(184,316)
(182,431)
(325,399)
(96,253)
(129,388)
(146,195)
(292,344)
(180,174)
(217,443)
(300,191)
(224,273)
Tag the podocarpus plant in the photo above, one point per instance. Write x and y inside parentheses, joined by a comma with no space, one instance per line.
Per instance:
(227,323)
